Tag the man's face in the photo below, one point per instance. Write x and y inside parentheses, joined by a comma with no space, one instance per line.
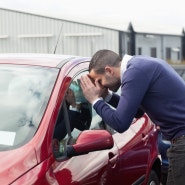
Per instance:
(106,80)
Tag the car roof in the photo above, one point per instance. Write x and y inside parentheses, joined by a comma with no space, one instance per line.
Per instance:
(178,66)
(49,60)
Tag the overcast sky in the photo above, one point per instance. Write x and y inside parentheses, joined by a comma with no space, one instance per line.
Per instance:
(156,12)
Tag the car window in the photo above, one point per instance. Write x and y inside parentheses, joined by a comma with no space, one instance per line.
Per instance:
(77,120)
(24,95)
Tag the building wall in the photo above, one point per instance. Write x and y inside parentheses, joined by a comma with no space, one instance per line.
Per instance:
(21,32)
(173,42)
(85,39)
(148,41)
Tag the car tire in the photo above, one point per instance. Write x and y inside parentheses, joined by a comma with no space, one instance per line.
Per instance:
(153,178)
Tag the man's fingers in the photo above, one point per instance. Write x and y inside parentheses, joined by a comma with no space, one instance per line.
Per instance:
(86,81)
(97,84)
(82,82)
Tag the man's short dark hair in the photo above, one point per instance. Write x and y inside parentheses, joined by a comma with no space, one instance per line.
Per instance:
(103,58)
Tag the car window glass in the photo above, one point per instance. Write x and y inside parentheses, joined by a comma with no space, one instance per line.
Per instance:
(96,120)
(24,93)
(83,119)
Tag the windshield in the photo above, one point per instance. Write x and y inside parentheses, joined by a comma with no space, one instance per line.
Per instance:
(24,94)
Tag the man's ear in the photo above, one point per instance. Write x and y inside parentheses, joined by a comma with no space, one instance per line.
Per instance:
(109,70)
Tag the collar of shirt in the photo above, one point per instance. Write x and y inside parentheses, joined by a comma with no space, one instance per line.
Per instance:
(124,62)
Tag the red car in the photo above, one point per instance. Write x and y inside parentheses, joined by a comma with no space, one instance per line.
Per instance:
(41,143)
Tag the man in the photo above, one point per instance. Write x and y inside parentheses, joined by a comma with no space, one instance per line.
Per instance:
(147,84)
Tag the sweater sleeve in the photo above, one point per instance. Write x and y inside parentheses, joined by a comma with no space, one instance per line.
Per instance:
(134,86)
(115,100)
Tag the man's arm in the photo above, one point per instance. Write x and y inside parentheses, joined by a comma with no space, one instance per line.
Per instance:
(132,92)
(114,100)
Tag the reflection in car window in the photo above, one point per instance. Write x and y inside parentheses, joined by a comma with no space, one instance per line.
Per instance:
(77,110)
(96,120)
(86,119)
(24,93)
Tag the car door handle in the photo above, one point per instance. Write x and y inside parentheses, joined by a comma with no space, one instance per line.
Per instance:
(113,158)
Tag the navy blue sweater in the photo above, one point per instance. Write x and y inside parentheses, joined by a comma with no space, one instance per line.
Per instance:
(153,85)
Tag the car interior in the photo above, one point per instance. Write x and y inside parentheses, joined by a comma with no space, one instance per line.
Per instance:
(71,123)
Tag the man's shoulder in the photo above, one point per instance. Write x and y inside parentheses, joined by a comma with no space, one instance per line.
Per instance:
(143,62)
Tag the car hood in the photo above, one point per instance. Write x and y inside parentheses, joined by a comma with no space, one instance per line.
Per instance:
(15,163)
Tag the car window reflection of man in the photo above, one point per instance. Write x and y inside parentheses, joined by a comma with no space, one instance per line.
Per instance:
(79,116)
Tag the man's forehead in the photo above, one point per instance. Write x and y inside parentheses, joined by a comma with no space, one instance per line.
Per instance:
(93,75)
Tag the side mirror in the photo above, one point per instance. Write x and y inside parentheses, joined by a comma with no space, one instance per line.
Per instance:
(89,141)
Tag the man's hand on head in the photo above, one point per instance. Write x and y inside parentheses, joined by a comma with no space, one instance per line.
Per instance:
(91,89)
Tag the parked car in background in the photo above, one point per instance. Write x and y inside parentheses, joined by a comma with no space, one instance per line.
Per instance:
(163,147)
(180,70)
(32,104)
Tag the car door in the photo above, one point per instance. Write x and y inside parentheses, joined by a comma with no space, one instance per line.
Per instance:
(135,153)
(92,168)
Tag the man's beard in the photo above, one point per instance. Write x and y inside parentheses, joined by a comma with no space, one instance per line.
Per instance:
(115,87)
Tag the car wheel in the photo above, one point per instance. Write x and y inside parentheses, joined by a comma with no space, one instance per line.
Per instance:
(153,178)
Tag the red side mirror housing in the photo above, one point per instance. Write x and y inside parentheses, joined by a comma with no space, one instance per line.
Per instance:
(89,141)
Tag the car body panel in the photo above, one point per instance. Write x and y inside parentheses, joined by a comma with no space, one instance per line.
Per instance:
(33,59)
(180,69)
(14,165)
(130,143)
